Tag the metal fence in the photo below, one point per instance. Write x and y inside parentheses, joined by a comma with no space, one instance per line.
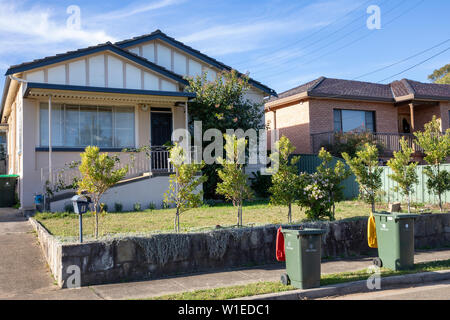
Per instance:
(421,193)
(309,163)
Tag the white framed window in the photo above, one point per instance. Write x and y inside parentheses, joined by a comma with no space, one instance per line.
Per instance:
(80,126)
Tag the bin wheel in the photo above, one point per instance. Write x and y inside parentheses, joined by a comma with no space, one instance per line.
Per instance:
(285,279)
(378,262)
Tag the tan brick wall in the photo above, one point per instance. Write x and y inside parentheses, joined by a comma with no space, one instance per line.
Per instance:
(321,114)
(293,122)
(445,109)
(424,114)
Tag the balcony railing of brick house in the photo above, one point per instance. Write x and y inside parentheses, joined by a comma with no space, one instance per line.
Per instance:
(389,142)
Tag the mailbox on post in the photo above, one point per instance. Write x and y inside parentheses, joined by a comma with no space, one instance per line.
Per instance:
(81,206)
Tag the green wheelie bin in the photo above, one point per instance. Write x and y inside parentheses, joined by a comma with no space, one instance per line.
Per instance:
(8,190)
(302,249)
(395,237)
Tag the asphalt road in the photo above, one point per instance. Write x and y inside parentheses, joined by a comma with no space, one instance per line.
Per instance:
(431,291)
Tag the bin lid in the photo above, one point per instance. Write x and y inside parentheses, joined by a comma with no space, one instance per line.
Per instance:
(9,176)
(304,231)
(396,215)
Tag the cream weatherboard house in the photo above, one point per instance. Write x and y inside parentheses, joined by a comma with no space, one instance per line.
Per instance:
(114,95)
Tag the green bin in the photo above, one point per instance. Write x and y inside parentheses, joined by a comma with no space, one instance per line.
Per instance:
(395,237)
(302,248)
(8,190)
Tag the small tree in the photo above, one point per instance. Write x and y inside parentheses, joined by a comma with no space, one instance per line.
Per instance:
(183,184)
(284,187)
(436,147)
(368,174)
(98,175)
(233,185)
(333,177)
(404,171)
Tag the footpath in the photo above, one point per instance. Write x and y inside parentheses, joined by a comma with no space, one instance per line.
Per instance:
(24,273)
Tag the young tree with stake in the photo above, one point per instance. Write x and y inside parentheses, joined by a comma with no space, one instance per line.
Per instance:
(284,187)
(436,147)
(98,175)
(233,185)
(404,171)
(368,174)
(183,184)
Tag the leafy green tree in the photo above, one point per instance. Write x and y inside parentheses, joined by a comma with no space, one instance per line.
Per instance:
(183,184)
(284,188)
(436,147)
(98,175)
(405,173)
(333,177)
(441,76)
(368,174)
(233,185)
(220,104)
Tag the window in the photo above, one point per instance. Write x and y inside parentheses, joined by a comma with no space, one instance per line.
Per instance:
(80,126)
(354,121)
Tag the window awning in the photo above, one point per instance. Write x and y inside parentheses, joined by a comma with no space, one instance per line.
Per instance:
(36,90)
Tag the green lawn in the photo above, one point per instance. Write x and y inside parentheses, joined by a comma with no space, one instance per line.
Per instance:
(206,217)
(65,225)
(258,288)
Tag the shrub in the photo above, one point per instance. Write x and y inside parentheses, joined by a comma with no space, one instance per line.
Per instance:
(152,206)
(103,207)
(118,207)
(68,207)
(137,206)
(261,184)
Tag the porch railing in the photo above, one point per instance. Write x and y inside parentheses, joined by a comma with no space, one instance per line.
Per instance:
(389,142)
(156,160)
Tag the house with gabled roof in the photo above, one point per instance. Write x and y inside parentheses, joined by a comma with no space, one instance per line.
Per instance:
(315,114)
(117,96)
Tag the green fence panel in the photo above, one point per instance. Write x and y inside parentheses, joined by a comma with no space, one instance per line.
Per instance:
(309,162)
(421,193)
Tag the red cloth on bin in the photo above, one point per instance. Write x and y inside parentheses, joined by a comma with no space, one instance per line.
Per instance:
(281,256)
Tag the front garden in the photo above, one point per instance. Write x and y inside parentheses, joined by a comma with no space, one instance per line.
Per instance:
(65,225)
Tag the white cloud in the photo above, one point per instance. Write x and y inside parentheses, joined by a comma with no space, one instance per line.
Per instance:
(40,26)
(137,9)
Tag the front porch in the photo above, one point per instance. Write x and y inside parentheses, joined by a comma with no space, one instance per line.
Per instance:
(131,124)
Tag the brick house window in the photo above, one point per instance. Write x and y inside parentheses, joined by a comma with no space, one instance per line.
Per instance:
(353,120)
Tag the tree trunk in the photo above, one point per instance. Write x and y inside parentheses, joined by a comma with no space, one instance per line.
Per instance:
(373,206)
(96,218)
(290,213)
(176,221)
(409,203)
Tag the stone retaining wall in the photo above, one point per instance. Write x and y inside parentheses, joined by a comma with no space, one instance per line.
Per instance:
(138,258)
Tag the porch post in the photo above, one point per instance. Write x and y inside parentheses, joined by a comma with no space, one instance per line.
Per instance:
(188,155)
(411,111)
(50,138)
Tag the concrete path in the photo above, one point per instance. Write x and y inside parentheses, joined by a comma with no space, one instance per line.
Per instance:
(24,273)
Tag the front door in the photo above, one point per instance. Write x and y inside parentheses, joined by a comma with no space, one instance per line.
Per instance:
(161,126)
(161,133)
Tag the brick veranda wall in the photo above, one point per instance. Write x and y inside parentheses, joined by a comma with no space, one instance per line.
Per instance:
(139,258)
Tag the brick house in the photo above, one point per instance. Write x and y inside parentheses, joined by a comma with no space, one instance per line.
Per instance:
(310,114)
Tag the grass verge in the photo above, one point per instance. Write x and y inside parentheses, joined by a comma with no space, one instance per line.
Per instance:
(274,287)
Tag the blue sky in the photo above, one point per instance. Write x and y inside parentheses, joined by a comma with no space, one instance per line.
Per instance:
(281,43)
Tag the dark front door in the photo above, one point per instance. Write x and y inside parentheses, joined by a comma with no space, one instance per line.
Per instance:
(161,127)
(161,133)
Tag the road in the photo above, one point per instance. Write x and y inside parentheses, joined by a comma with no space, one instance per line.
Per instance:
(431,291)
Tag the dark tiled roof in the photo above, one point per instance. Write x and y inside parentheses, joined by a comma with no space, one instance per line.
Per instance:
(339,88)
(352,89)
(161,35)
(430,89)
